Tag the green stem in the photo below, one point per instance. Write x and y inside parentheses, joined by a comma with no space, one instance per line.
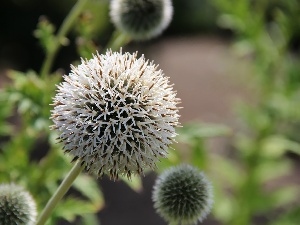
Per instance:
(199,154)
(250,188)
(61,35)
(118,40)
(60,192)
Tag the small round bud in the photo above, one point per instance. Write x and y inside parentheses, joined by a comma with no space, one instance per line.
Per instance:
(141,19)
(17,206)
(116,113)
(182,195)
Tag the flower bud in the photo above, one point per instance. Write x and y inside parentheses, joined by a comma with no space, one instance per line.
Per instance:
(17,206)
(182,195)
(141,19)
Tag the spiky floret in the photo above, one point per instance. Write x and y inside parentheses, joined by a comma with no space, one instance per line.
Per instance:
(182,195)
(141,19)
(16,206)
(116,113)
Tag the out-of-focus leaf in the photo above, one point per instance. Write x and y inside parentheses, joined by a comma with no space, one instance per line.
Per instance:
(230,22)
(266,171)
(224,204)
(41,124)
(201,130)
(32,97)
(5,113)
(135,183)
(69,208)
(172,159)
(276,145)
(45,33)
(93,21)
(243,48)
(290,217)
(199,154)
(285,195)
(89,188)
(90,219)
(86,48)
(27,90)
(227,171)
(256,118)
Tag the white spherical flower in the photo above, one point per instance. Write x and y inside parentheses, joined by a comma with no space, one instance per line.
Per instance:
(117,113)
(141,19)
(16,206)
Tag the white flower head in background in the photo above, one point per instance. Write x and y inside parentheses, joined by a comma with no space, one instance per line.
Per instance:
(116,113)
(182,195)
(16,206)
(141,19)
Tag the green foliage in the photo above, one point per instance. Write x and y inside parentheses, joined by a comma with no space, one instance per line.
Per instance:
(5,112)
(32,97)
(45,34)
(93,22)
(246,184)
(192,137)
(264,30)
(248,179)
(31,155)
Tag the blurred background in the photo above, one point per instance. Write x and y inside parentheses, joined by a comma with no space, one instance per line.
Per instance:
(235,65)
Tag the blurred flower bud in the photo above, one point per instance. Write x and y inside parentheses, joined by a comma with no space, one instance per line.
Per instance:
(17,206)
(141,19)
(183,195)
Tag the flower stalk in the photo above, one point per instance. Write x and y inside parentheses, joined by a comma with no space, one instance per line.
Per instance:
(60,192)
(61,35)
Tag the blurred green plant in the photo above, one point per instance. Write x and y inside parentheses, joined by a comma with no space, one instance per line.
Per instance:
(25,101)
(264,32)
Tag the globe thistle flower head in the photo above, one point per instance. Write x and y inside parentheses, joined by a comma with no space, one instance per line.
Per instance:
(141,19)
(182,195)
(116,113)
(16,206)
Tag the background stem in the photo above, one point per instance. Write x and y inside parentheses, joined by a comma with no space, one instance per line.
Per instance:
(61,35)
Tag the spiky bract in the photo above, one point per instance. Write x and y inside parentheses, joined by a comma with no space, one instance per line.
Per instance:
(17,206)
(116,113)
(182,195)
(141,19)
